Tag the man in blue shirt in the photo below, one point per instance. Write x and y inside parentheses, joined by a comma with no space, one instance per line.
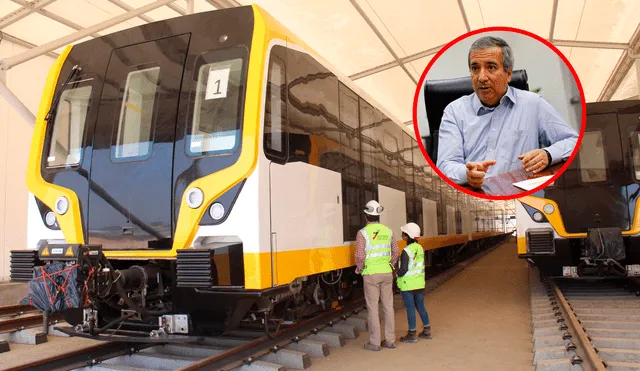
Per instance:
(498,128)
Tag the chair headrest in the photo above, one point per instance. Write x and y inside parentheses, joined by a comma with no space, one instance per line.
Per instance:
(439,93)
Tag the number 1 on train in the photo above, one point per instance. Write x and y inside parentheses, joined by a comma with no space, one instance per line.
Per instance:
(217,84)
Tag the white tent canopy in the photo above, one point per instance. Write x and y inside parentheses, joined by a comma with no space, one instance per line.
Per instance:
(383,46)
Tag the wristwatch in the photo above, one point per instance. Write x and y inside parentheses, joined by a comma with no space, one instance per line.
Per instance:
(548,157)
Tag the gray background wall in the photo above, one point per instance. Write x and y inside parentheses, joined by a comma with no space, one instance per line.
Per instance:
(545,69)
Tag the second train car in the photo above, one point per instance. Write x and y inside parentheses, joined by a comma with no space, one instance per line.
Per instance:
(588,222)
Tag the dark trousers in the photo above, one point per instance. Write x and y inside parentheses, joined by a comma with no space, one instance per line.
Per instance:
(415,300)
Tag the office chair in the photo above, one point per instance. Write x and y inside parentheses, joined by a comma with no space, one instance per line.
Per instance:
(439,93)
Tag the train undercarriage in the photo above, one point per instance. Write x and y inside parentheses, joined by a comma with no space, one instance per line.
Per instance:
(143,300)
(605,252)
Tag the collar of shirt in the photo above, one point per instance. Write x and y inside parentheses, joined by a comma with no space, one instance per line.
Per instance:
(480,109)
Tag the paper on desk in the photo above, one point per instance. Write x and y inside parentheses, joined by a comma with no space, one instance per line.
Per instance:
(530,184)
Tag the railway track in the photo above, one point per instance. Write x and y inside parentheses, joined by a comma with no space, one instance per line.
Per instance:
(20,323)
(246,349)
(582,324)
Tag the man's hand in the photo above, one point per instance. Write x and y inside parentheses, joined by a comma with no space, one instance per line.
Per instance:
(534,161)
(476,171)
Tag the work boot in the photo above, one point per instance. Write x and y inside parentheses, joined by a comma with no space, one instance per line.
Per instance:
(409,338)
(388,345)
(426,333)
(369,346)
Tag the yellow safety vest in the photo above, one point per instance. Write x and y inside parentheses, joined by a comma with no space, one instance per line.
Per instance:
(414,278)
(377,250)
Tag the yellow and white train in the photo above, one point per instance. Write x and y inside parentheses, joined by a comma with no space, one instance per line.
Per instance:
(208,170)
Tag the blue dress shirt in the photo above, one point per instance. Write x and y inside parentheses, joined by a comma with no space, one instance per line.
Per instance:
(523,121)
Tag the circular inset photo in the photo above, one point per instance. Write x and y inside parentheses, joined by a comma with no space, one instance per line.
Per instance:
(500,112)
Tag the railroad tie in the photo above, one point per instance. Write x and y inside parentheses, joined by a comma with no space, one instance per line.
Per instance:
(291,359)
(316,349)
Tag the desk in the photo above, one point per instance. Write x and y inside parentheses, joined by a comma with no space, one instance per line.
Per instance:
(502,184)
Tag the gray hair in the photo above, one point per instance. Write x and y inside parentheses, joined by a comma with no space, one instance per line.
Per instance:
(491,42)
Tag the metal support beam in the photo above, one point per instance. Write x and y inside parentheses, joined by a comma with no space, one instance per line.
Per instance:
(15,102)
(590,44)
(554,15)
(129,8)
(222,4)
(190,6)
(11,62)
(22,43)
(432,51)
(386,44)
(386,66)
(624,65)
(54,17)
(464,15)
(178,9)
(25,11)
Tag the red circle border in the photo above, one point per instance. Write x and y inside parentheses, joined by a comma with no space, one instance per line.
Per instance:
(550,46)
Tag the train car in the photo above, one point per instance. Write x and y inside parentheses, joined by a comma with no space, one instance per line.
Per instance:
(210,171)
(587,223)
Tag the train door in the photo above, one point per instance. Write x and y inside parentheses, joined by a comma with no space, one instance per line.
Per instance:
(594,194)
(629,123)
(305,185)
(276,139)
(130,203)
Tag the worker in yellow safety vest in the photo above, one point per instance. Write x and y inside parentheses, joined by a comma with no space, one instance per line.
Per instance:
(411,282)
(376,255)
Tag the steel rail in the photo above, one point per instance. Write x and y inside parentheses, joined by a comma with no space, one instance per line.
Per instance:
(13,324)
(16,310)
(79,357)
(587,348)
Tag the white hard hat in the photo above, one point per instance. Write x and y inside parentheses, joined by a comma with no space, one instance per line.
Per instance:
(411,229)
(373,208)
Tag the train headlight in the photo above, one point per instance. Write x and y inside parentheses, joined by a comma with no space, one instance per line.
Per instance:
(50,218)
(62,205)
(537,216)
(195,198)
(216,211)
(548,208)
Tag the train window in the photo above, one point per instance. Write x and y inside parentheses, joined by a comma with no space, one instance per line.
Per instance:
(350,148)
(275,119)
(216,124)
(368,146)
(312,113)
(135,128)
(635,145)
(68,127)
(593,166)
(391,149)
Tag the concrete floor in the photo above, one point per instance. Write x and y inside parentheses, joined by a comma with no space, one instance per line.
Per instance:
(480,320)
(12,292)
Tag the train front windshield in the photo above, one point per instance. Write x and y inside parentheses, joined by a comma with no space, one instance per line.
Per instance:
(155,132)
